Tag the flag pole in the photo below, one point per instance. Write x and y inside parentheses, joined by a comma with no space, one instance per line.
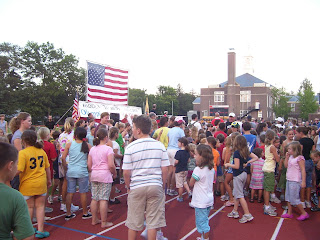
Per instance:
(87,82)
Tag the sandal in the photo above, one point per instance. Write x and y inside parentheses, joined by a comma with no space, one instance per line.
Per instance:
(251,200)
(42,234)
(259,200)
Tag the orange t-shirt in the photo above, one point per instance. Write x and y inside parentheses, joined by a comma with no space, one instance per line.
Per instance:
(216,156)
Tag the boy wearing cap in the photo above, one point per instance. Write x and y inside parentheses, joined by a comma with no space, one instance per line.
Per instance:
(230,120)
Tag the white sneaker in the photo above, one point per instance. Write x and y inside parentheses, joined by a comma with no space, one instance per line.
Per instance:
(275,200)
(308,204)
(50,199)
(160,236)
(303,204)
(74,208)
(63,207)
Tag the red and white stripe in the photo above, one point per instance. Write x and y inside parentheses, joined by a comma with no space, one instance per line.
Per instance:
(75,110)
(115,90)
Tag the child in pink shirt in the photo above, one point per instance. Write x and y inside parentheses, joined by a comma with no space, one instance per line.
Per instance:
(296,179)
(102,168)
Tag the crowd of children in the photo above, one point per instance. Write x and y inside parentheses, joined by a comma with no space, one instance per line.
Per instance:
(223,161)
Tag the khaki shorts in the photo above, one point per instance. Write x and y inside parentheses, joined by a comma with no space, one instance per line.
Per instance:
(171,155)
(181,178)
(149,199)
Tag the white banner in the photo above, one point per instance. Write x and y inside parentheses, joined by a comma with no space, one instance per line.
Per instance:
(97,108)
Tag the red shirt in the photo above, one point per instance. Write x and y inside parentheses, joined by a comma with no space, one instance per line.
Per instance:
(218,132)
(51,153)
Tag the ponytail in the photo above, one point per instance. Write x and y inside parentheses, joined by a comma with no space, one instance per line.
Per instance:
(102,133)
(84,147)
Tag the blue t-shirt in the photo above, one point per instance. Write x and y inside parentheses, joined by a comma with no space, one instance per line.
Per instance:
(182,156)
(78,166)
(17,135)
(174,134)
(241,169)
(251,141)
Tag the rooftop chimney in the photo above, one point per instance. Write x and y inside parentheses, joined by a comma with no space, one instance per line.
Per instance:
(231,67)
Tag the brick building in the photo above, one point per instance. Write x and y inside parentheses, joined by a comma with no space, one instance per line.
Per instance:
(245,94)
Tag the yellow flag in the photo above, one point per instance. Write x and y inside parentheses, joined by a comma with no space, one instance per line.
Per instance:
(146,109)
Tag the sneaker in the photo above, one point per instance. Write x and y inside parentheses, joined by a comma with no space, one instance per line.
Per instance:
(285,207)
(315,199)
(315,209)
(303,204)
(269,211)
(67,218)
(217,193)
(50,199)
(63,207)
(48,210)
(303,217)
(224,198)
(190,194)
(121,181)
(308,204)
(116,201)
(59,198)
(246,218)
(233,214)
(87,216)
(160,236)
(174,192)
(229,204)
(74,208)
(42,234)
(286,215)
(272,207)
(275,200)
(180,199)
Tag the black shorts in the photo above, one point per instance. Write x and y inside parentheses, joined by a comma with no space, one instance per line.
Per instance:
(117,179)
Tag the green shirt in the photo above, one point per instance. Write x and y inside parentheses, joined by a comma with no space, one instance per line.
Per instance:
(14,214)
(119,140)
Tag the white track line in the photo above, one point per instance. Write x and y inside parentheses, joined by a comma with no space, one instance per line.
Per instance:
(119,224)
(277,230)
(195,229)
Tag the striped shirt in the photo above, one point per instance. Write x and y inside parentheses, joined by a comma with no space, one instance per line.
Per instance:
(145,157)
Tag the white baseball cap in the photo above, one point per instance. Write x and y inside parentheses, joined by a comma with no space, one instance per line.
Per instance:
(232,114)
(279,119)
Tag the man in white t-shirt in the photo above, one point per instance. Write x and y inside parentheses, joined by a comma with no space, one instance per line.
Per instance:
(194,121)
(145,168)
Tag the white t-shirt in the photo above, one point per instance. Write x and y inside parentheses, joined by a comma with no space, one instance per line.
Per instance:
(145,157)
(202,195)
(197,124)
(115,145)
(63,140)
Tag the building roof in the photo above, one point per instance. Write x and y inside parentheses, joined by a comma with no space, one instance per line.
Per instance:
(197,101)
(246,80)
(296,98)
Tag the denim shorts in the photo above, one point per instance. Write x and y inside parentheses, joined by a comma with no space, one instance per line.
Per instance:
(293,192)
(82,182)
(202,219)
(309,169)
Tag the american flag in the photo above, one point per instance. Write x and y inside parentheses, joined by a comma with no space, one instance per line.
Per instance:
(76,111)
(107,84)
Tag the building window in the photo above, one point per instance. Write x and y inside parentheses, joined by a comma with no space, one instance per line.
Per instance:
(245,96)
(293,107)
(243,112)
(219,96)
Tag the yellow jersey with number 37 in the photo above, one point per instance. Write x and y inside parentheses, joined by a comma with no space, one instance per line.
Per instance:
(33,178)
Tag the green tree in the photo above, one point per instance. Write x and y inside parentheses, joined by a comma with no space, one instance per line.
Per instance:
(307,100)
(137,97)
(39,79)
(280,102)
(184,101)
(166,97)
